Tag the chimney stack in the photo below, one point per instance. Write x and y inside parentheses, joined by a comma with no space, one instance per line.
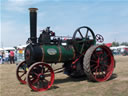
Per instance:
(33,25)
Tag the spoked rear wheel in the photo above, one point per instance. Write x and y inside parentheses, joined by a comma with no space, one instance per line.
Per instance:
(98,63)
(21,72)
(40,76)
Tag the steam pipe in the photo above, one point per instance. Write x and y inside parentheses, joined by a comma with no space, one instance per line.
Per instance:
(33,25)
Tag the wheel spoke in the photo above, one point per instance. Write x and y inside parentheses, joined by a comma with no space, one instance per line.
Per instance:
(35,81)
(25,79)
(94,61)
(106,56)
(22,75)
(94,68)
(94,56)
(47,71)
(80,34)
(82,47)
(92,65)
(105,65)
(46,80)
(46,83)
(96,73)
(42,70)
(35,73)
(38,84)
(86,34)
(47,75)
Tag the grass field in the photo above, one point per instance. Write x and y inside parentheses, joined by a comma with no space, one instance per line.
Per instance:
(65,86)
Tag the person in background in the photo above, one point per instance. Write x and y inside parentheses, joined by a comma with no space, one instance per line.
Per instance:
(3,57)
(11,55)
(0,57)
(6,56)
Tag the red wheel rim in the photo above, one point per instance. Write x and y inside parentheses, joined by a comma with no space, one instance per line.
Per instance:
(102,63)
(40,77)
(21,72)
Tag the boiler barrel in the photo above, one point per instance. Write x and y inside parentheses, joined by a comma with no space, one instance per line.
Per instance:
(54,53)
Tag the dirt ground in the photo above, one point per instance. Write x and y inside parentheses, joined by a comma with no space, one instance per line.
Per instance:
(65,86)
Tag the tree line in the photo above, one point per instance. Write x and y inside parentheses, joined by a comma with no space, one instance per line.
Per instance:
(114,44)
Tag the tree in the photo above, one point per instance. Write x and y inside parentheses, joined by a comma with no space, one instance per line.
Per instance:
(124,43)
(114,44)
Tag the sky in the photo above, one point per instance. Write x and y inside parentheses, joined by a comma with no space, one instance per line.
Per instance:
(106,17)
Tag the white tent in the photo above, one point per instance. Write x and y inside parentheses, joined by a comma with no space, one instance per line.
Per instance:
(122,47)
(9,48)
(113,48)
(21,46)
(1,49)
(119,47)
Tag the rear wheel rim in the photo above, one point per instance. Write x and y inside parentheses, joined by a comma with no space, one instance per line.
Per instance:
(101,63)
(21,72)
(41,79)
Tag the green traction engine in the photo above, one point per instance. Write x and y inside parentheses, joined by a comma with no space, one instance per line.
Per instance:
(79,54)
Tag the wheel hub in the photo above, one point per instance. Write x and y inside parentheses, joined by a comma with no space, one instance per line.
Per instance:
(41,77)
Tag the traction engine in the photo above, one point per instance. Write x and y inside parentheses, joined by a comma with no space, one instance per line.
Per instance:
(79,54)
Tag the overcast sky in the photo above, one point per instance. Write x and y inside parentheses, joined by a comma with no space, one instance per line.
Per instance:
(106,17)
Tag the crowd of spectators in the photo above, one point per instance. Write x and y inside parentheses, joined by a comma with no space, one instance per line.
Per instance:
(7,57)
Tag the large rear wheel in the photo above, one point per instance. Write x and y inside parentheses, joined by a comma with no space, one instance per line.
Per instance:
(98,63)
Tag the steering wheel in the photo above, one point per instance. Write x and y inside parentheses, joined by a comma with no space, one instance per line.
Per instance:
(81,36)
(99,38)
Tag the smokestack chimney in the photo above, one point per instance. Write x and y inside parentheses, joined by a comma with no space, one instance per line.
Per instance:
(33,24)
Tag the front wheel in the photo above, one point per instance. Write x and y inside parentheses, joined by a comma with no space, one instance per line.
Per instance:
(40,76)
